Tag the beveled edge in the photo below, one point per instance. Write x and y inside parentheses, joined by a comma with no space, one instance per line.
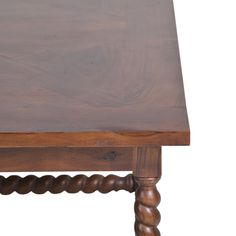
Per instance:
(94,139)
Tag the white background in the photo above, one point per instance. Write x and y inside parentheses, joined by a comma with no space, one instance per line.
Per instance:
(198,186)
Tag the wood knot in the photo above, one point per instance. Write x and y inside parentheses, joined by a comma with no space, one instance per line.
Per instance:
(110,156)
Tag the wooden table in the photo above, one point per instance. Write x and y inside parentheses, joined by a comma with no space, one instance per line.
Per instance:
(90,85)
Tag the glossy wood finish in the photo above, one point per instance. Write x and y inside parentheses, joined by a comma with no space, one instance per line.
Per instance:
(90,73)
(66,159)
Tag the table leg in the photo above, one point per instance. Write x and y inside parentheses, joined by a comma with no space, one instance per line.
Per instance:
(147,172)
(146,213)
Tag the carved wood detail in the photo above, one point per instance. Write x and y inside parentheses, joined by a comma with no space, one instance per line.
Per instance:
(40,185)
(147,217)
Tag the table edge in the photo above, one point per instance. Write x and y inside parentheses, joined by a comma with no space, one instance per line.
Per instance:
(94,139)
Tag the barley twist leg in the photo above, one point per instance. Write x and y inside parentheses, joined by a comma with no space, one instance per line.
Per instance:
(146,213)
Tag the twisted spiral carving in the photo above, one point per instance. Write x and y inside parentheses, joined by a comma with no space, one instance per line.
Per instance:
(40,185)
(147,200)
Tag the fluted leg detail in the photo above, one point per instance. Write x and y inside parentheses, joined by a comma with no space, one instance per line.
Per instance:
(146,213)
(40,185)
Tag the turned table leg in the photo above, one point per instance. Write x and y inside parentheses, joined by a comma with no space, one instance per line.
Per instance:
(146,213)
(147,172)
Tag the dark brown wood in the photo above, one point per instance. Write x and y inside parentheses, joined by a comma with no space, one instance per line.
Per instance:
(66,183)
(147,217)
(90,85)
(90,74)
(147,172)
(92,139)
(66,159)
(147,162)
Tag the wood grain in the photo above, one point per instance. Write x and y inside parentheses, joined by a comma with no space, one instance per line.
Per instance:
(65,159)
(92,139)
(90,73)
(147,162)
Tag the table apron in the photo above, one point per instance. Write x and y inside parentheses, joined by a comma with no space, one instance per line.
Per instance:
(65,159)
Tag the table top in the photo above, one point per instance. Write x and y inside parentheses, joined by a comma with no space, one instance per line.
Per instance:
(90,73)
